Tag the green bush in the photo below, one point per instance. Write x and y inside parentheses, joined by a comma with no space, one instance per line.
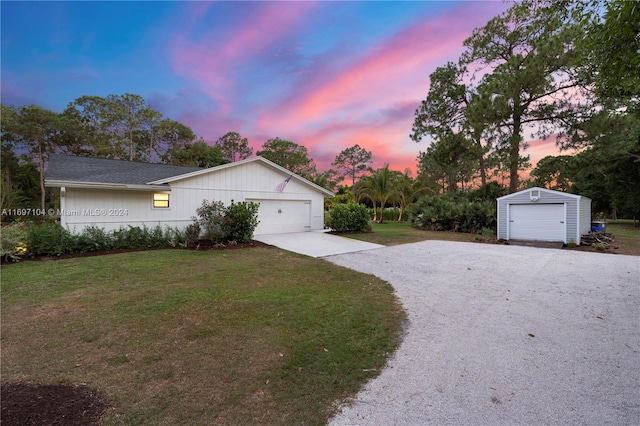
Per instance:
(390,213)
(349,218)
(240,221)
(211,217)
(50,240)
(13,241)
(450,213)
(235,223)
(192,234)
(93,239)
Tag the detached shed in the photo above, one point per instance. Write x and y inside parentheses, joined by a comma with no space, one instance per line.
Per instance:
(538,214)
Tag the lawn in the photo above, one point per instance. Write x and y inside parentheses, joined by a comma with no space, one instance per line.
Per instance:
(392,233)
(627,236)
(250,336)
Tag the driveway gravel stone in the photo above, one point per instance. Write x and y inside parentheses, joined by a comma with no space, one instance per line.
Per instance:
(505,335)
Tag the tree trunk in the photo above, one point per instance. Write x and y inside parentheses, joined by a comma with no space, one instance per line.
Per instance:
(483,170)
(130,144)
(477,136)
(514,147)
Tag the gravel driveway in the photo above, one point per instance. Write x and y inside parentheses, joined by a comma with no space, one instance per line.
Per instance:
(505,335)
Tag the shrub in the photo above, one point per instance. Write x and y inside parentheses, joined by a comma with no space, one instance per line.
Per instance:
(390,213)
(93,238)
(192,234)
(349,218)
(211,217)
(13,241)
(156,237)
(49,240)
(446,213)
(240,221)
(235,223)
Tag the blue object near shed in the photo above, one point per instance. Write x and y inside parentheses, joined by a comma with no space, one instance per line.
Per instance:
(598,226)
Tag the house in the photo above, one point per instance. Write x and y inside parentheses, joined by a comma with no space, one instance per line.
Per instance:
(113,193)
(539,214)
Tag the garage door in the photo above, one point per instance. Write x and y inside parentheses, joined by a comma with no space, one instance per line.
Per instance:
(283,216)
(539,222)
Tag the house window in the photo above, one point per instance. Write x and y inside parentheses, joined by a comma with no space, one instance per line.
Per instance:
(160,201)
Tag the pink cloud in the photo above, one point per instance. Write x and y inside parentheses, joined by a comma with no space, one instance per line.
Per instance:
(371,100)
(213,59)
(396,69)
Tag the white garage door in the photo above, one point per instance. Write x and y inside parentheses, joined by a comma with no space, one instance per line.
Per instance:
(539,222)
(283,216)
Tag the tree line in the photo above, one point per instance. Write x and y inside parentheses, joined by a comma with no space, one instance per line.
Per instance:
(556,69)
(563,69)
(125,127)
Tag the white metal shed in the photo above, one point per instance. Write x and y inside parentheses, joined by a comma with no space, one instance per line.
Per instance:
(539,214)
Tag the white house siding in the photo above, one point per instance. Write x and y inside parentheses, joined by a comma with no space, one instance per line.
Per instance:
(244,182)
(578,211)
(110,209)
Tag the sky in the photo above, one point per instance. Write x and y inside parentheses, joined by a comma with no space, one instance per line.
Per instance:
(325,75)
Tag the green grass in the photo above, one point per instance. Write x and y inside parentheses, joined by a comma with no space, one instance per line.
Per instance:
(627,236)
(251,336)
(394,233)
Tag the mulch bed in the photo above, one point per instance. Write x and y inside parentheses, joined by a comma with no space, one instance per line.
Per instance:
(201,246)
(68,405)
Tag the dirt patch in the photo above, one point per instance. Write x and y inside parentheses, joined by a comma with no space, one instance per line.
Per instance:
(68,405)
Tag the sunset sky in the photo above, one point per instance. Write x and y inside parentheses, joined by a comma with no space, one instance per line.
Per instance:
(326,75)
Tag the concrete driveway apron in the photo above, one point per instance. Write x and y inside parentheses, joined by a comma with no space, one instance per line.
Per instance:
(316,244)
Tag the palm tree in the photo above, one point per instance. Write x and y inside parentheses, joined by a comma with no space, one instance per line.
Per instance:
(407,190)
(379,188)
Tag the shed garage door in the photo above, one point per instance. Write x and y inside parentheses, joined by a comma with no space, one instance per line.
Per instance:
(283,216)
(539,222)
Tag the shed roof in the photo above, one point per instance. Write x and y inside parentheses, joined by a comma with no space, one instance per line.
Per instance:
(551,191)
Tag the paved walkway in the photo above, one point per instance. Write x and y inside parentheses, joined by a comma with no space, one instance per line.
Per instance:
(316,243)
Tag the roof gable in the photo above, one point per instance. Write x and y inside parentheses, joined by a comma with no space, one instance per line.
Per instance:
(258,160)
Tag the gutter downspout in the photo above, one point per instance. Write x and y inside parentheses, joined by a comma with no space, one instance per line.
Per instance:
(63,203)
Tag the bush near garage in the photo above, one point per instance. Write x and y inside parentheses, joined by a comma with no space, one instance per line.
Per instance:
(234,223)
(349,218)
(450,213)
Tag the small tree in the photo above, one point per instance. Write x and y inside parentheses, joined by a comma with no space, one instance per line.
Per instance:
(233,147)
(353,161)
(289,155)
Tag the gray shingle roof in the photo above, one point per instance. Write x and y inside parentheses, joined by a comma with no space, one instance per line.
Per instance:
(101,170)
